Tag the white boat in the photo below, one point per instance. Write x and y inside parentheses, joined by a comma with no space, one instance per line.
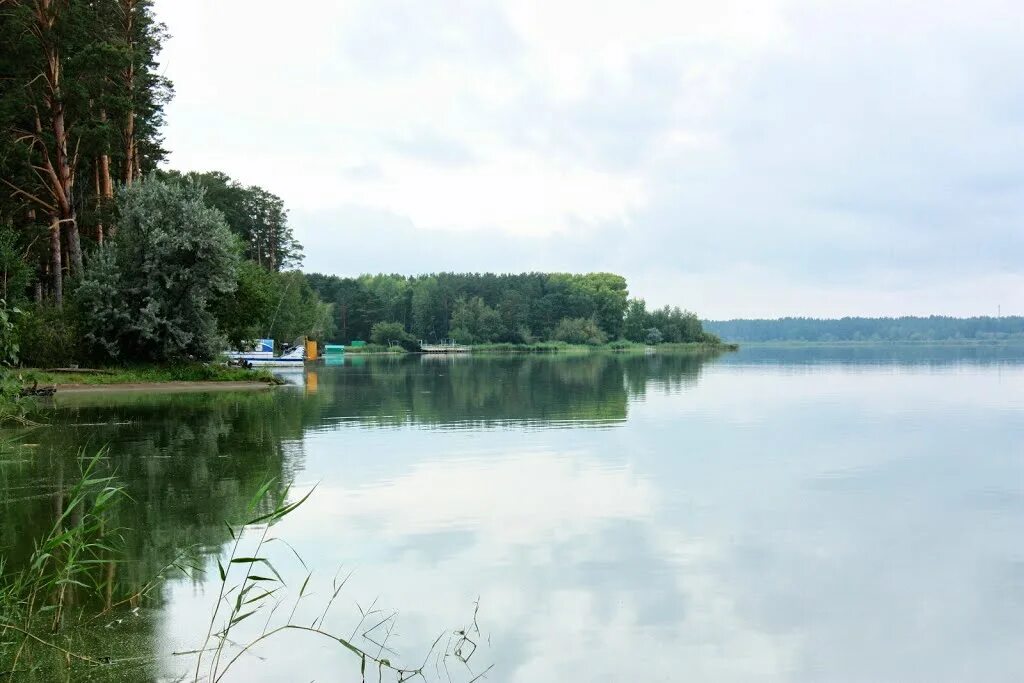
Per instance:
(262,355)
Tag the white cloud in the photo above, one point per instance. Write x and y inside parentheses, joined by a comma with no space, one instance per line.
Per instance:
(841,158)
(507,502)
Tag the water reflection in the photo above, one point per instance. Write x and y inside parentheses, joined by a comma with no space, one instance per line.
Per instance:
(474,392)
(866,355)
(620,517)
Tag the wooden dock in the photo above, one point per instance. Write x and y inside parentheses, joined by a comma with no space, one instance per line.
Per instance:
(444,347)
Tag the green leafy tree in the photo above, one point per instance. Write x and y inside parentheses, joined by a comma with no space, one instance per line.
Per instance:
(676,325)
(258,217)
(529,306)
(514,310)
(654,336)
(148,295)
(473,321)
(49,336)
(609,295)
(296,310)
(384,333)
(635,322)
(579,331)
(243,315)
(429,309)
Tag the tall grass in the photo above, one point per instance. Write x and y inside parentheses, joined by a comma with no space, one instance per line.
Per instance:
(64,560)
(69,573)
(14,408)
(258,587)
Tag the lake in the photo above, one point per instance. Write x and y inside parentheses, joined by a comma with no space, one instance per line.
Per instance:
(776,514)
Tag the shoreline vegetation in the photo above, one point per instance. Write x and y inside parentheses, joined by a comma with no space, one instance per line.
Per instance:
(21,388)
(552,347)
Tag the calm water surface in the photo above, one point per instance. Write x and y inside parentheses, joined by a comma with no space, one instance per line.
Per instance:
(777,514)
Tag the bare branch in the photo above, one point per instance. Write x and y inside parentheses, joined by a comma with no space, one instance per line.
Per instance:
(28,195)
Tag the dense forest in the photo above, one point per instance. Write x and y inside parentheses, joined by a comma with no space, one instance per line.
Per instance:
(933,328)
(106,258)
(474,308)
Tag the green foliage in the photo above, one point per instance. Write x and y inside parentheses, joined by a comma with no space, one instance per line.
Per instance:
(255,215)
(297,310)
(147,295)
(653,336)
(474,307)
(481,308)
(50,336)
(635,322)
(473,322)
(672,325)
(244,314)
(15,273)
(66,560)
(579,331)
(270,304)
(13,406)
(9,347)
(383,333)
(98,117)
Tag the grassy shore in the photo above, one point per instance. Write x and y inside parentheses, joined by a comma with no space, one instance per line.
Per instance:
(142,375)
(556,347)
(614,347)
(15,408)
(372,349)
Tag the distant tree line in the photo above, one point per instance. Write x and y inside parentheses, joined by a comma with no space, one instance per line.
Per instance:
(908,328)
(475,308)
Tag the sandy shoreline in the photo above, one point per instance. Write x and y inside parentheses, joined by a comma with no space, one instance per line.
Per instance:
(161,387)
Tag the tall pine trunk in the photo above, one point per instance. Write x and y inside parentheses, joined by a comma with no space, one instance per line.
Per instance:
(56,163)
(56,265)
(65,178)
(131,152)
(104,187)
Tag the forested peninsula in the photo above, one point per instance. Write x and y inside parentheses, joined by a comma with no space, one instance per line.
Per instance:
(109,260)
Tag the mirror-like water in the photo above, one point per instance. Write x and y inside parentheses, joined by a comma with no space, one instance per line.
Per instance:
(776,514)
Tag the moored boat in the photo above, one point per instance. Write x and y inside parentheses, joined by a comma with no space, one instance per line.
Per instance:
(261,355)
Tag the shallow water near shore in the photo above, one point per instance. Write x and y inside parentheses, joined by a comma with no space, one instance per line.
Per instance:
(786,514)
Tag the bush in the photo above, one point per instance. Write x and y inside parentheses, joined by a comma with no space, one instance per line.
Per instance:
(15,273)
(49,336)
(383,333)
(8,336)
(708,338)
(147,295)
(653,336)
(579,331)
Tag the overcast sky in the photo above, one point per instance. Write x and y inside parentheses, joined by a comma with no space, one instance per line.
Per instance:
(757,158)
